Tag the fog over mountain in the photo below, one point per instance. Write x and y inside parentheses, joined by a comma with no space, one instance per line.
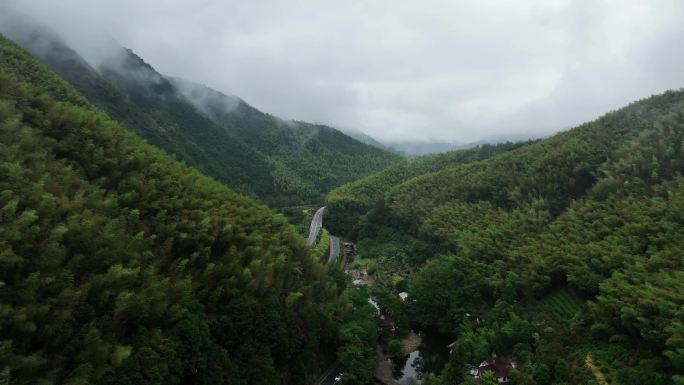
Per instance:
(405,71)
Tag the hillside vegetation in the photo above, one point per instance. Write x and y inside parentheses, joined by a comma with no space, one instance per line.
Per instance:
(569,248)
(119,265)
(321,157)
(349,202)
(281,163)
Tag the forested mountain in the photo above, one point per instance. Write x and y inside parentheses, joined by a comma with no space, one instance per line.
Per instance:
(321,157)
(155,110)
(349,202)
(130,254)
(418,148)
(564,255)
(120,265)
(362,137)
(282,163)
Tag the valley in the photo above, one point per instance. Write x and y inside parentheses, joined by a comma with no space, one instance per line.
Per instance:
(530,254)
(426,352)
(155,230)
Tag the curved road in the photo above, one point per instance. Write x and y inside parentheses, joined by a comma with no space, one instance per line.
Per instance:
(334,248)
(328,378)
(315,228)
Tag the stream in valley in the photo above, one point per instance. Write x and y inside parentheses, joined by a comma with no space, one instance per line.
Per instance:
(430,357)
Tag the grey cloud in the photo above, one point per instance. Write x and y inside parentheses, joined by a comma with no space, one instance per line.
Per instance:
(435,69)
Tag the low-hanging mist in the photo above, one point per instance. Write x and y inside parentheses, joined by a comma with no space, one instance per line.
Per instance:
(413,71)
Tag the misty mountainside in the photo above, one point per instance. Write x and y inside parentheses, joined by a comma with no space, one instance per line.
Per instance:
(364,138)
(282,163)
(563,254)
(320,156)
(121,265)
(417,148)
(150,105)
(420,148)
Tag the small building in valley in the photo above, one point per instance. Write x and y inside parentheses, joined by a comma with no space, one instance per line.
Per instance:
(385,322)
(499,366)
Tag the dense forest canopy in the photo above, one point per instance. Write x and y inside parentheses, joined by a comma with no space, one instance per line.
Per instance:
(321,157)
(347,203)
(120,265)
(564,255)
(125,259)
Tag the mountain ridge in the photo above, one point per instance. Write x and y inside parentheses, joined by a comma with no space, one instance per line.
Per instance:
(568,249)
(120,265)
(282,163)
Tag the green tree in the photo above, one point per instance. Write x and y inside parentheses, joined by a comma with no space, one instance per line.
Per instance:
(395,349)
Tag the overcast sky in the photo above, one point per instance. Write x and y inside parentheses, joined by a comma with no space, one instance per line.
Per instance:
(402,70)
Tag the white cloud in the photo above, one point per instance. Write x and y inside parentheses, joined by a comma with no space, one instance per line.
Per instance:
(403,70)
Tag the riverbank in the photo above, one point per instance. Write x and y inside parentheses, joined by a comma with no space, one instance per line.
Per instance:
(383,368)
(411,342)
(360,276)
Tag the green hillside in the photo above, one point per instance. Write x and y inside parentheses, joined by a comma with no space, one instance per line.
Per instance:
(281,163)
(119,265)
(161,116)
(569,246)
(556,170)
(349,202)
(135,246)
(321,157)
